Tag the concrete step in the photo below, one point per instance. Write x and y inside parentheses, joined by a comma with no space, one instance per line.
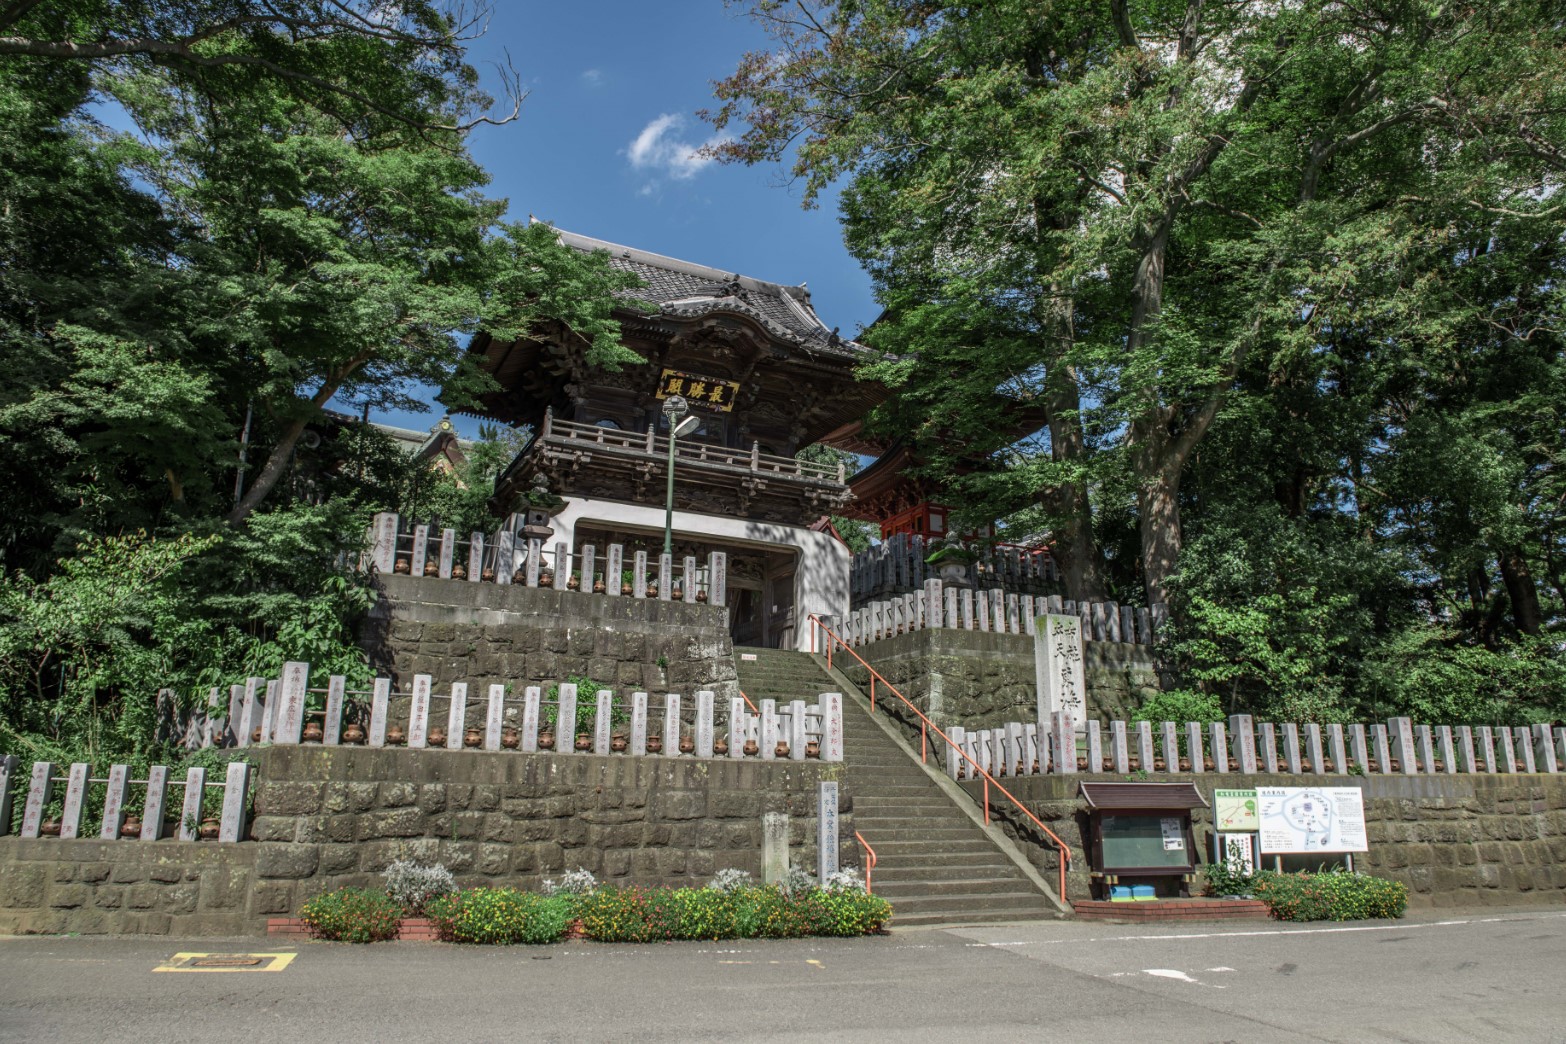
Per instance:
(895,889)
(967,904)
(973,870)
(866,821)
(932,836)
(904,849)
(960,917)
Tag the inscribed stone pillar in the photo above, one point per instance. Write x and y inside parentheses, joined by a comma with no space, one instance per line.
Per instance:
(1242,737)
(289,722)
(831,726)
(671,725)
(249,713)
(75,797)
(336,688)
(769,729)
(665,577)
(40,790)
(505,555)
(718,577)
(953,615)
(1029,616)
(10,784)
(983,606)
(1171,747)
(613,571)
(113,803)
(826,830)
(1339,749)
(494,717)
(383,554)
(448,551)
(704,726)
(419,712)
(1119,749)
(532,712)
(421,549)
(269,712)
(1508,751)
(1361,747)
(1095,746)
(1269,746)
(932,603)
(1401,733)
(638,744)
(1030,745)
(562,577)
(380,706)
(456,715)
(152,807)
(1291,747)
(1314,750)
(535,561)
(1383,748)
(1544,749)
(1481,736)
(1060,682)
(1218,740)
(1425,739)
(966,597)
(954,766)
(1063,743)
(737,729)
(688,580)
(475,557)
(190,810)
(639,576)
(565,719)
(603,711)
(1448,749)
(998,610)
(796,740)
(236,782)
(1193,744)
(1144,745)
(774,847)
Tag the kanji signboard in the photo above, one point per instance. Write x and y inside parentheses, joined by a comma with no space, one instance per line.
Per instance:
(698,390)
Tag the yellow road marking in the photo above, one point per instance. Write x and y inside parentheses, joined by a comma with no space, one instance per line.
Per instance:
(227,962)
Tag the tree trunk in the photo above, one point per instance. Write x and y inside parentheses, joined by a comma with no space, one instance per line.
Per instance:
(1158,505)
(1076,548)
(1522,591)
(270,472)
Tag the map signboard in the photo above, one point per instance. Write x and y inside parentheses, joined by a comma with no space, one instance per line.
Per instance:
(1234,811)
(1311,820)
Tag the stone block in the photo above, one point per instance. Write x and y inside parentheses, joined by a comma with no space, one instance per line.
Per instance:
(432,797)
(22,886)
(493,860)
(272,898)
(339,858)
(63,872)
(402,822)
(94,873)
(680,804)
(166,871)
(286,861)
(108,898)
(286,798)
(397,795)
(69,896)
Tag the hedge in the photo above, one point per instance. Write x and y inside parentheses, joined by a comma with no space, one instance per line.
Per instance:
(357,915)
(1329,896)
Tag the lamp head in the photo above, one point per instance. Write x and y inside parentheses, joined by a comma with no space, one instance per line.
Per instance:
(686,426)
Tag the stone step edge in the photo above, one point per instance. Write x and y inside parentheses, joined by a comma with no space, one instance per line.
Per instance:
(412,929)
(1173,910)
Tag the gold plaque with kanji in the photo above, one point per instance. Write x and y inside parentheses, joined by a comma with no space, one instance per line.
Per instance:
(698,390)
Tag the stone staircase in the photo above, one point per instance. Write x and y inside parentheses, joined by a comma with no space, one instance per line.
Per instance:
(937,865)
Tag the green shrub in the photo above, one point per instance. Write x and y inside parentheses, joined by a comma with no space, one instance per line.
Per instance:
(499,916)
(357,915)
(628,914)
(1330,896)
(1180,705)
(766,912)
(850,912)
(704,913)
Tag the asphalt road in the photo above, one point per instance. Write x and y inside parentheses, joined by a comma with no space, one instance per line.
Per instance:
(1478,977)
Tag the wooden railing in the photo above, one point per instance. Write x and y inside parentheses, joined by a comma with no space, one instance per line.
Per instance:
(688,451)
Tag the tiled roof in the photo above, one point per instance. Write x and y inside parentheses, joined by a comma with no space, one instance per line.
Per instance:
(688,290)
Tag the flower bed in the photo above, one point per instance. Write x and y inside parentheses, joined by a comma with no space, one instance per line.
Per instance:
(731,908)
(1330,895)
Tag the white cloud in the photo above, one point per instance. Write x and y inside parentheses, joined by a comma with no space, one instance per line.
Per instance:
(660,146)
(592,77)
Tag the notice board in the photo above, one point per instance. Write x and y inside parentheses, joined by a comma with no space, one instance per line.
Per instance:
(1307,820)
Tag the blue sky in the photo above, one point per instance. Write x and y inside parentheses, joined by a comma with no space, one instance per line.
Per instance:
(604,146)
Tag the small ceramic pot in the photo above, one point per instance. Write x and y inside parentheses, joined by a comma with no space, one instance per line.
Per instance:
(473,737)
(687,745)
(626,589)
(599,587)
(49,828)
(1185,764)
(584,741)
(354,734)
(546,740)
(131,828)
(487,576)
(678,594)
(701,596)
(1158,764)
(431,567)
(654,743)
(395,736)
(546,578)
(510,738)
(720,746)
(209,830)
(781,750)
(255,735)
(751,748)
(459,572)
(652,590)
(812,749)
(519,577)
(618,744)
(436,737)
(574,584)
(312,732)
(403,566)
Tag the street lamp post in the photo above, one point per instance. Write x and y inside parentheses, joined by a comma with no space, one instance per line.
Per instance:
(674,408)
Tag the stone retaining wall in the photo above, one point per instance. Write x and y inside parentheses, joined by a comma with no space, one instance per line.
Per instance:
(980,679)
(325,817)
(1466,840)
(454,630)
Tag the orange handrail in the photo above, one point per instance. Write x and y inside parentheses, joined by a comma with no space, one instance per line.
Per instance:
(870,860)
(974,768)
(749,704)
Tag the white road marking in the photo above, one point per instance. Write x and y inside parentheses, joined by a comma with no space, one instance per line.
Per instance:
(1170,973)
(1395,927)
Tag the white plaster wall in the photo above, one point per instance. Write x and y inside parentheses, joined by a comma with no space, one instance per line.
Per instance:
(820,580)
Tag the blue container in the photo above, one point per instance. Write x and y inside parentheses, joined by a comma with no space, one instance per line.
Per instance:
(1120,894)
(1143,893)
